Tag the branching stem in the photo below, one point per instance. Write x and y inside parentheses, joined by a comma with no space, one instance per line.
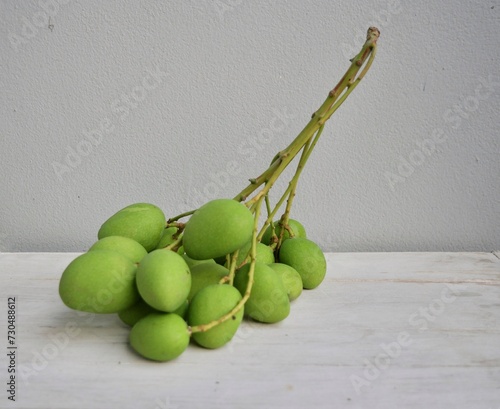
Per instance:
(248,290)
(305,141)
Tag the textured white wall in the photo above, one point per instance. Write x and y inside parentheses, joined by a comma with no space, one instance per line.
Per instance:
(161,97)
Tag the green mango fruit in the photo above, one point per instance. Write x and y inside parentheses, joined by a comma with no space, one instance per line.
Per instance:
(182,310)
(142,222)
(210,304)
(123,245)
(139,310)
(160,336)
(163,280)
(242,255)
(306,257)
(297,228)
(217,228)
(136,312)
(264,254)
(268,301)
(205,274)
(291,279)
(100,281)
(167,237)
(191,262)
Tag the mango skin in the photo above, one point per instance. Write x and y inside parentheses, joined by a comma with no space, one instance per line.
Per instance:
(264,254)
(217,228)
(100,281)
(209,304)
(306,257)
(142,222)
(141,309)
(123,245)
(191,263)
(291,279)
(163,280)
(268,301)
(242,256)
(297,228)
(136,312)
(166,237)
(205,274)
(160,336)
(182,310)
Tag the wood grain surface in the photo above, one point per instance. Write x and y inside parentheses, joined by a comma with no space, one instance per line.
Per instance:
(384,330)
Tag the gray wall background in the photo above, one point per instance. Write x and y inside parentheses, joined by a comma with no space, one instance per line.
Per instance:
(109,103)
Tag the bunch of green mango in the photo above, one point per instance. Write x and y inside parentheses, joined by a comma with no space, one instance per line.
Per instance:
(169,282)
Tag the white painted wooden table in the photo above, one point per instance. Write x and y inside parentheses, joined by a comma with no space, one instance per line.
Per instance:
(384,330)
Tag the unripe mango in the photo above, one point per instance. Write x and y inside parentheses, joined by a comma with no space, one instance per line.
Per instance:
(296,227)
(306,257)
(142,222)
(160,336)
(264,254)
(210,304)
(291,279)
(217,228)
(123,245)
(182,310)
(100,281)
(205,274)
(167,237)
(191,262)
(242,254)
(268,301)
(136,312)
(163,280)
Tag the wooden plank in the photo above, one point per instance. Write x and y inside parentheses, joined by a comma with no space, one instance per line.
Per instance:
(384,330)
